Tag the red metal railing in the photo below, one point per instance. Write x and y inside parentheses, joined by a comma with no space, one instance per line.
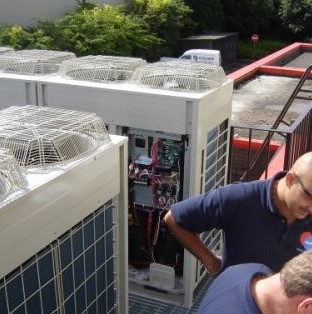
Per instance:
(295,140)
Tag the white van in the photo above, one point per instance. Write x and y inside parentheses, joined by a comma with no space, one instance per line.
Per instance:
(203,55)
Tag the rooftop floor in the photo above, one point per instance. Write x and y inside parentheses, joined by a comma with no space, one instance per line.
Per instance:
(259,101)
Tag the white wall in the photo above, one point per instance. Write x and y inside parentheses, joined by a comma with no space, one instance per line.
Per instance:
(26,12)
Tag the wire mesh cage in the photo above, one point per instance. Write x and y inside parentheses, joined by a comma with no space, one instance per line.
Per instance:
(32,62)
(180,75)
(100,68)
(42,137)
(6,49)
(11,177)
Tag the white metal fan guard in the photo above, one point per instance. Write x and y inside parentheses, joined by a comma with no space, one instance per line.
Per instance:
(42,137)
(180,75)
(11,177)
(100,68)
(33,62)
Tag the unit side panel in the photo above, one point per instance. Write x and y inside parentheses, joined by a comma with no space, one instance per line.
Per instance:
(208,158)
(118,107)
(121,234)
(32,221)
(17,92)
(73,274)
(213,110)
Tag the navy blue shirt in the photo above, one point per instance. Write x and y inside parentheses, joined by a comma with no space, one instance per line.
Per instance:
(230,293)
(254,231)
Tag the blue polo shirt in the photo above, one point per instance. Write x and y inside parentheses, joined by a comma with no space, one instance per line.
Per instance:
(230,293)
(254,231)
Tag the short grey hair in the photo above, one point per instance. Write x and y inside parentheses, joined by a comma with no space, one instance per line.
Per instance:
(296,275)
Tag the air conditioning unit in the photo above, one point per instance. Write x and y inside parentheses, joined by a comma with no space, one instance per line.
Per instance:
(176,115)
(63,228)
(6,49)
(19,71)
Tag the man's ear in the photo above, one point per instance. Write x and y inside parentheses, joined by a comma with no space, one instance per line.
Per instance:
(305,306)
(290,178)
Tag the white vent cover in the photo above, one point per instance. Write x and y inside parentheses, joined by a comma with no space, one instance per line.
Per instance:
(11,178)
(31,62)
(42,137)
(180,75)
(100,68)
(6,49)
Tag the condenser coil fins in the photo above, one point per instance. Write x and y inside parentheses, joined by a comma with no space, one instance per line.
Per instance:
(100,68)
(180,75)
(40,137)
(33,62)
(12,180)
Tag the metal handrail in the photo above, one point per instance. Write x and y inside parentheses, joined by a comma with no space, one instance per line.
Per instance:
(296,140)
(280,118)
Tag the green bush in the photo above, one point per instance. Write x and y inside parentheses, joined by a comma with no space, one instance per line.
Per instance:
(249,50)
(208,14)
(297,16)
(16,36)
(89,30)
(100,30)
(147,28)
(167,19)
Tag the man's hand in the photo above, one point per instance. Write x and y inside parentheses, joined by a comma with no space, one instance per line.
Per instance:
(193,243)
(213,265)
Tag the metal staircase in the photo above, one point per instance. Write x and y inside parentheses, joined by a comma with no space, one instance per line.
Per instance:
(299,93)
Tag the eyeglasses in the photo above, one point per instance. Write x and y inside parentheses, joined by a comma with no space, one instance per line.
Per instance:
(304,189)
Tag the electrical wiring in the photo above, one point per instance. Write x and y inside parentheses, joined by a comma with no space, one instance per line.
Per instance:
(154,179)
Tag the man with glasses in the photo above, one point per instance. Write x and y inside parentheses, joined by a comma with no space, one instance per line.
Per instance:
(264,221)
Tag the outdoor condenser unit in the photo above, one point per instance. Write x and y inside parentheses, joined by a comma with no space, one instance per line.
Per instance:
(63,227)
(19,71)
(5,49)
(176,115)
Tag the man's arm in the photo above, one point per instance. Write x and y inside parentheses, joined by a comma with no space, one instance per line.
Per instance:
(192,242)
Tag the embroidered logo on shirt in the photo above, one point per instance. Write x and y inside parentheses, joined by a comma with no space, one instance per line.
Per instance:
(306,240)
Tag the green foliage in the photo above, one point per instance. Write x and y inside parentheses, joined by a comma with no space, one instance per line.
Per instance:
(208,15)
(20,38)
(16,36)
(100,30)
(296,15)
(247,17)
(151,28)
(89,30)
(167,19)
(249,50)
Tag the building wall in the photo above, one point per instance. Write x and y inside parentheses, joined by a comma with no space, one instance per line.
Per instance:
(239,159)
(27,12)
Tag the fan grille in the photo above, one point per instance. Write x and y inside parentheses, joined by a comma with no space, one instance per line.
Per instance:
(41,136)
(100,68)
(32,62)
(180,75)
(11,178)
